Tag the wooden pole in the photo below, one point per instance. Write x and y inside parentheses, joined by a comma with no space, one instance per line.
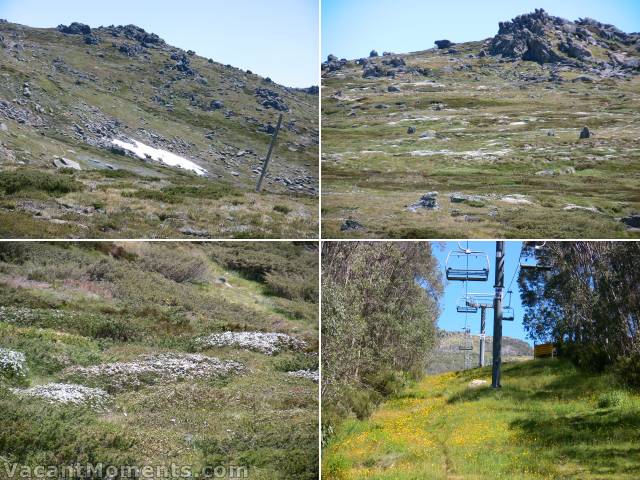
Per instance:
(268,157)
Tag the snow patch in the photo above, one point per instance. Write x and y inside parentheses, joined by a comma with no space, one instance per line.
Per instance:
(143,151)
(267,343)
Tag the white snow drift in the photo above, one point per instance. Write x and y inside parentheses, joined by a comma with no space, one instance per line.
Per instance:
(267,343)
(143,151)
(64,393)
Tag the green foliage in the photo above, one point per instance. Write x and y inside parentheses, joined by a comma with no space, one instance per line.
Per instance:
(612,399)
(297,361)
(380,303)
(587,302)
(265,442)
(627,369)
(179,267)
(34,433)
(291,287)
(177,194)
(282,209)
(23,180)
(49,351)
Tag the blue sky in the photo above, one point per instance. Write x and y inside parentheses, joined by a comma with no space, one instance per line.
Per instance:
(351,28)
(275,38)
(450,319)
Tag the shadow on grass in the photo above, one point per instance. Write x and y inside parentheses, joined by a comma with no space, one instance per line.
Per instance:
(603,441)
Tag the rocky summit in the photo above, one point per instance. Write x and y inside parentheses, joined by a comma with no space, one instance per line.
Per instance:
(112,132)
(534,133)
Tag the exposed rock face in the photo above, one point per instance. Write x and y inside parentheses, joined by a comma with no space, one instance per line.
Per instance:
(373,53)
(271,99)
(75,29)
(540,37)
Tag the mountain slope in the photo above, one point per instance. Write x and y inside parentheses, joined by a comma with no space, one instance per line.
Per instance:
(483,138)
(135,324)
(548,421)
(68,93)
(447,355)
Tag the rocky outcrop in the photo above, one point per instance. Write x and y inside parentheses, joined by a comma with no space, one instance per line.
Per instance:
(75,29)
(444,44)
(542,38)
(271,99)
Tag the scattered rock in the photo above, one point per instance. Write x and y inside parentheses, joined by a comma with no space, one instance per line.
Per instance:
(632,221)
(570,207)
(443,44)
(411,130)
(66,393)
(12,363)
(551,133)
(312,375)
(516,199)
(194,232)
(392,88)
(271,99)
(153,369)
(478,383)
(350,224)
(3,127)
(585,133)
(75,29)
(61,162)
(428,201)
(267,343)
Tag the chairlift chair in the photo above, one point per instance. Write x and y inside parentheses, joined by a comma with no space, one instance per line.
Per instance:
(530,262)
(467,265)
(480,300)
(467,344)
(508,313)
(463,306)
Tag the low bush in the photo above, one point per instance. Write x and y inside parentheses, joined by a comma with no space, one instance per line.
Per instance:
(627,369)
(282,209)
(177,194)
(34,433)
(613,399)
(54,183)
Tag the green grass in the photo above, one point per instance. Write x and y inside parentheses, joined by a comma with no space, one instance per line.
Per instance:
(490,140)
(548,421)
(65,305)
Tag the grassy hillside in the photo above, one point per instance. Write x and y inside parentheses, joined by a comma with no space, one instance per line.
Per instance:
(497,138)
(447,356)
(69,95)
(135,320)
(549,421)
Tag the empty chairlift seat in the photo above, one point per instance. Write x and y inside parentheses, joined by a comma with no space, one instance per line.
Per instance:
(463,306)
(467,265)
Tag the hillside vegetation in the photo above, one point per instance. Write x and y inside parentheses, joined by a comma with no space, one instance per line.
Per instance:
(549,421)
(378,323)
(483,138)
(447,356)
(71,97)
(192,354)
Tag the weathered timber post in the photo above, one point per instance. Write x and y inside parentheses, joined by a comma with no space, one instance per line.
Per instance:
(265,165)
